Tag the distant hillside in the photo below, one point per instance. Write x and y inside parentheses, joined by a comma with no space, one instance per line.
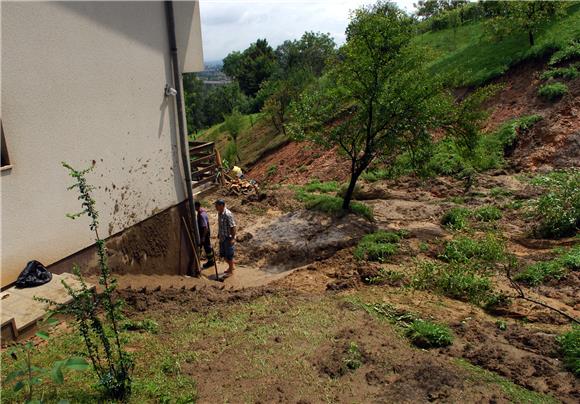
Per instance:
(475,58)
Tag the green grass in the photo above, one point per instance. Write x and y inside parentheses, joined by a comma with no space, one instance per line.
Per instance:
(476,59)
(324,187)
(463,249)
(332,205)
(570,348)
(426,334)
(552,91)
(555,269)
(377,246)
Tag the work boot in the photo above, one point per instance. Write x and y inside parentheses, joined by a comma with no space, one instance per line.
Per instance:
(208,264)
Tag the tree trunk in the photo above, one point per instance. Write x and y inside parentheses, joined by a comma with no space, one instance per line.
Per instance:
(350,190)
(531,37)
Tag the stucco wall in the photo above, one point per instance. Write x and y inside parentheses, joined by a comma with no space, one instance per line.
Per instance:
(80,82)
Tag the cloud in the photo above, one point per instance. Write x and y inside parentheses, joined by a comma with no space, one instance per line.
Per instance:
(229,25)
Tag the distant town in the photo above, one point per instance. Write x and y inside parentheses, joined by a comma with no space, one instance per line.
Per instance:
(213,75)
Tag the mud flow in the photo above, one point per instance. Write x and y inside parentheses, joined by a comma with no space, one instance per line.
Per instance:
(299,238)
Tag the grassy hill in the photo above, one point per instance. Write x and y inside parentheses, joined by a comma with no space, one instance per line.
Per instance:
(256,138)
(475,58)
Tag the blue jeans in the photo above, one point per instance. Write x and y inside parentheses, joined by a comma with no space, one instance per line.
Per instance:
(227,250)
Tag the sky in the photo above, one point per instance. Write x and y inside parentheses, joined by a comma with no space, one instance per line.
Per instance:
(229,25)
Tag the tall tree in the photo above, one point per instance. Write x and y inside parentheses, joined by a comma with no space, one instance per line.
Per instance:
(251,67)
(379,96)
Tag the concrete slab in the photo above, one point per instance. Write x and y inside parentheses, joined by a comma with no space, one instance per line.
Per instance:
(18,306)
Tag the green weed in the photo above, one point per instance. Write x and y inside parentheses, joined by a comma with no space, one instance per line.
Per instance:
(332,204)
(557,211)
(487,214)
(566,73)
(454,281)
(353,358)
(557,268)
(456,218)
(377,246)
(462,249)
(568,52)
(324,187)
(426,334)
(553,91)
(500,192)
(570,348)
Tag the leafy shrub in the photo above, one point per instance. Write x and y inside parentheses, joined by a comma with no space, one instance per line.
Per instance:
(426,334)
(503,140)
(552,91)
(324,187)
(557,211)
(454,281)
(231,153)
(569,52)
(463,249)
(456,218)
(382,236)
(487,214)
(567,73)
(570,348)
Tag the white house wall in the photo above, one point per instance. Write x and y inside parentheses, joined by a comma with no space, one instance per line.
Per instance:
(83,82)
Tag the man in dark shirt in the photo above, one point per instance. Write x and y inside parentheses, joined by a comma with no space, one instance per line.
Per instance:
(204,235)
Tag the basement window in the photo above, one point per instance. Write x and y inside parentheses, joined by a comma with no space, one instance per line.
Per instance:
(4,160)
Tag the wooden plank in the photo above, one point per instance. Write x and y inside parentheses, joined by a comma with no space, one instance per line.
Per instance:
(201,182)
(201,147)
(204,170)
(202,159)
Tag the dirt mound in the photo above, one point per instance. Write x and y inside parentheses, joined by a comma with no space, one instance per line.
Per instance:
(300,237)
(527,357)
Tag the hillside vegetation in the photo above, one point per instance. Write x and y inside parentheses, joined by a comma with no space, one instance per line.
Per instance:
(473,57)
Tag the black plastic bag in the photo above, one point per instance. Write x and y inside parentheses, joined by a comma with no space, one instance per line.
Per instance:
(35,274)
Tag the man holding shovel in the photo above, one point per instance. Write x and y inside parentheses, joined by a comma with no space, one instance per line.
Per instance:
(204,235)
(226,235)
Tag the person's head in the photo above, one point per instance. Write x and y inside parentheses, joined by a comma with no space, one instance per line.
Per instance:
(197,206)
(220,205)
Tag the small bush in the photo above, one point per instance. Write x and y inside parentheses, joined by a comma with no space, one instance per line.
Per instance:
(570,348)
(324,187)
(382,237)
(426,334)
(566,73)
(456,218)
(552,91)
(487,214)
(377,174)
(353,358)
(463,249)
(557,211)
